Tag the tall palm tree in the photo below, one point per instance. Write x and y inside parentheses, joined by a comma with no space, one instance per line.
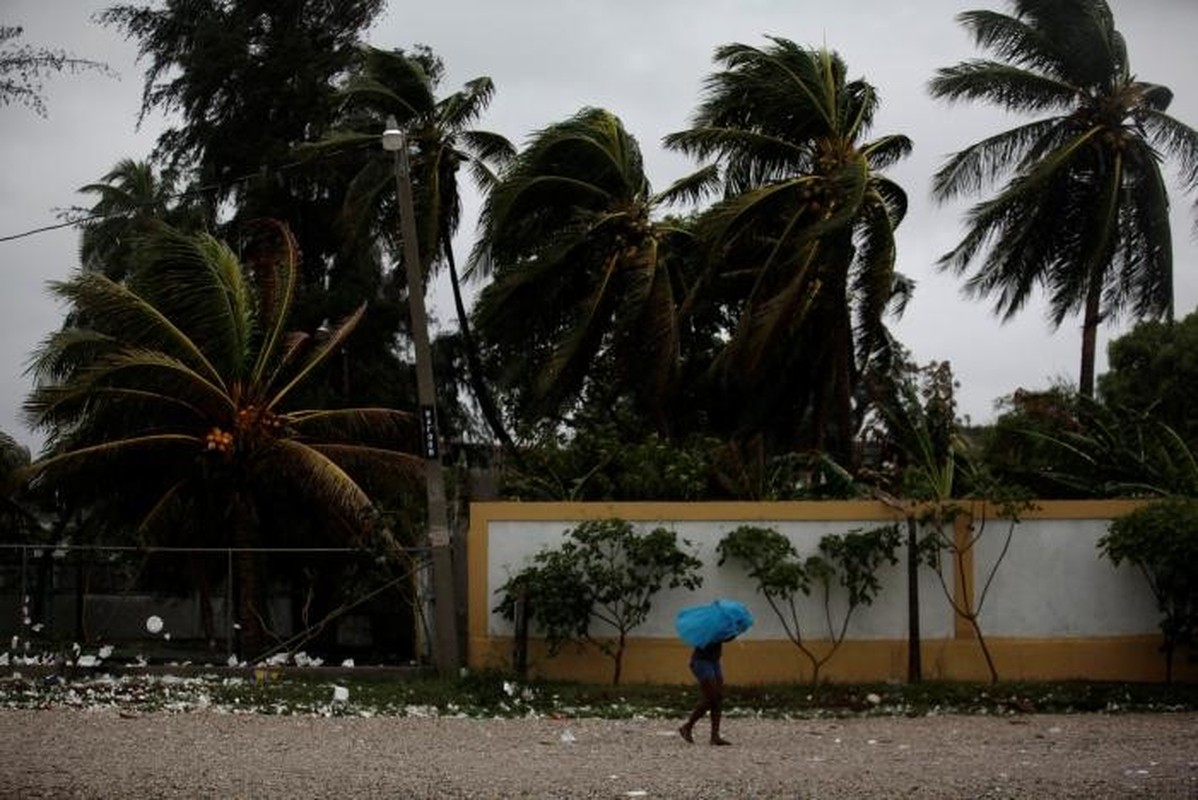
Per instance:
(1083,212)
(132,197)
(391,83)
(580,268)
(805,229)
(168,404)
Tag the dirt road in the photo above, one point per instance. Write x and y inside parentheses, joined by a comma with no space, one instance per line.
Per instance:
(102,754)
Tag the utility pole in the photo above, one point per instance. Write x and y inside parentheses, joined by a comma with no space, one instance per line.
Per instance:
(445,644)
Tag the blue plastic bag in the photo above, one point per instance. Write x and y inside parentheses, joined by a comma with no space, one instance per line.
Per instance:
(717,621)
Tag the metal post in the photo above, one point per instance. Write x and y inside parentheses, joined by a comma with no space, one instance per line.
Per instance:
(229,640)
(445,650)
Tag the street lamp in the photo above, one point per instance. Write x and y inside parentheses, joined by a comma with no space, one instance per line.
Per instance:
(446,637)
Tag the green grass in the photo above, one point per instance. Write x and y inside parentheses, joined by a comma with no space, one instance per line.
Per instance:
(310,691)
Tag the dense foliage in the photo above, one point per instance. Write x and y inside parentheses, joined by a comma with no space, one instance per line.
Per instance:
(1161,540)
(168,405)
(849,560)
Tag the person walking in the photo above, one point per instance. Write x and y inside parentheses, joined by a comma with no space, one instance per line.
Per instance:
(705,665)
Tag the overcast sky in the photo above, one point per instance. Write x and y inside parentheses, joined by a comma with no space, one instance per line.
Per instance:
(644,61)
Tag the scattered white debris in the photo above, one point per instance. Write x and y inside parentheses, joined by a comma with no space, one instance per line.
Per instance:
(568,737)
(86,661)
(340,694)
(349,662)
(154,624)
(421,712)
(232,662)
(636,793)
(278,659)
(105,651)
(873,699)
(302,659)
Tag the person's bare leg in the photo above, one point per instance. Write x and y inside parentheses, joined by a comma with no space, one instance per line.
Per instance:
(710,694)
(715,700)
(686,731)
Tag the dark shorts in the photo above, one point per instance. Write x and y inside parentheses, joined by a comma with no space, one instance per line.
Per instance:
(706,670)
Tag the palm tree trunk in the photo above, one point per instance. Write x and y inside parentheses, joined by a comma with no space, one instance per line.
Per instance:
(914,640)
(1093,316)
(244,524)
(486,402)
(199,573)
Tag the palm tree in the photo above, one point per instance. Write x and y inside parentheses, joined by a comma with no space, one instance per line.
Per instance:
(132,197)
(168,405)
(391,83)
(580,268)
(1083,213)
(805,229)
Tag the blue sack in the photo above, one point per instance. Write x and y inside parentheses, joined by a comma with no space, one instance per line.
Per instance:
(717,621)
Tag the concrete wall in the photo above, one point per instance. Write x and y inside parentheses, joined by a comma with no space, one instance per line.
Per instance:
(1051,609)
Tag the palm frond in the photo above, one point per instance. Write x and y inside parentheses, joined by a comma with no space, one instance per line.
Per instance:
(321,353)
(693,187)
(197,282)
(108,458)
(375,426)
(323,484)
(276,277)
(115,311)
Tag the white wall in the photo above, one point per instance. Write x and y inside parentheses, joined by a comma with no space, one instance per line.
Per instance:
(512,545)
(1054,582)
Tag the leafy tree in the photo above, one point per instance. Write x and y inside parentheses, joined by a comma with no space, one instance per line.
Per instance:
(805,234)
(1114,452)
(743,470)
(394,85)
(605,571)
(16,519)
(247,81)
(1161,540)
(920,447)
(600,463)
(1153,369)
(1021,446)
(581,271)
(848,561)
(950,556)
(1083,209)
(947,495)
(23,68)
(168,406)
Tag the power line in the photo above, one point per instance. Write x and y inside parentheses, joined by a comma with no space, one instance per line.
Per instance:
(200,190)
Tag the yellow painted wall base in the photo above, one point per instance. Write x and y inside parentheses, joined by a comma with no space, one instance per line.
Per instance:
(662,661)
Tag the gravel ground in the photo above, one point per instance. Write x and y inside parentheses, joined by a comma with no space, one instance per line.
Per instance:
(107,754)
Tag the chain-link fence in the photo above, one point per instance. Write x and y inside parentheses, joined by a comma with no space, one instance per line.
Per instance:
(175,605)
